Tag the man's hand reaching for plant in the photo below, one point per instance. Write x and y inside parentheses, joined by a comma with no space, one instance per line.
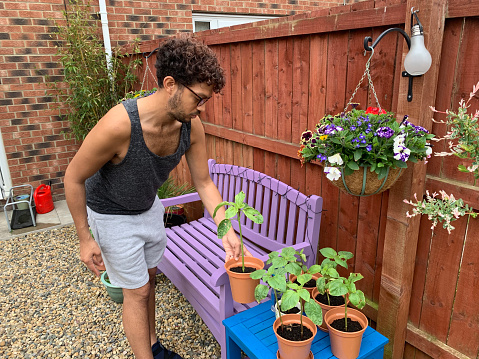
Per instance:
(232,246)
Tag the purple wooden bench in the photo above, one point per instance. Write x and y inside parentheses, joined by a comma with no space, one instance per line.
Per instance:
(194,256)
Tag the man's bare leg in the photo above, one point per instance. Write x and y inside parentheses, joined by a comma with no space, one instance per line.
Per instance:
(136,321)
(151,306)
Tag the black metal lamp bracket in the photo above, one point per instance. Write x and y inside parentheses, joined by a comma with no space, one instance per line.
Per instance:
(368,47)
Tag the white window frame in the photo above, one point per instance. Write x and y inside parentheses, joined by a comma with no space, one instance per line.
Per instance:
(224,20)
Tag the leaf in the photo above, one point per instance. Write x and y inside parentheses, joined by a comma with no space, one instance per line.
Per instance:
(304,278)
(278,282)
(315,268)
(341,262)
(314,312)
(353,165)
(337,287)
(293,268)
(223,227)
(357,155)
(346,255)
(258,274)
(328,252)
(231,212)
(304,294)
(321,285)
(261,292)
(253,214)
(333,273)
(289,300)
(288,252)
(219,206)
(239,199)
(401,164)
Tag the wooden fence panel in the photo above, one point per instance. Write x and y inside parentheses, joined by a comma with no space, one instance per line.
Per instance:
(283,77)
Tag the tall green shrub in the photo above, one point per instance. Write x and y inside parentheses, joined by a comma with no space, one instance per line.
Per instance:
(90,86)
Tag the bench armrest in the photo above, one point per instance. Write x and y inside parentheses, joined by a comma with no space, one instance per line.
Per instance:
(186,198)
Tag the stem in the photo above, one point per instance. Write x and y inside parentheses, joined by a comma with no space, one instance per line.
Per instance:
(279,309)
(327,295)
(241,238)
(301,318)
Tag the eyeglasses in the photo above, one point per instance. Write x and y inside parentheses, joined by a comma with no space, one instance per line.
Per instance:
(201,100)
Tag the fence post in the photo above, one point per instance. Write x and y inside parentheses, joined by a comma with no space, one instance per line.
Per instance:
(401,237)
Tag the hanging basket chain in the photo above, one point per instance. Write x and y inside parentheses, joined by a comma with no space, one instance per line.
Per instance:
(368,74)
(148,70)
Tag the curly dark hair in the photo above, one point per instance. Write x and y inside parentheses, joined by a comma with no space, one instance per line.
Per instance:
(188,62)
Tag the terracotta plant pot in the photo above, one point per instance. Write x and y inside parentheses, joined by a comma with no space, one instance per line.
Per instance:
(345,345)
(242,285)
(294,349)
(325,308)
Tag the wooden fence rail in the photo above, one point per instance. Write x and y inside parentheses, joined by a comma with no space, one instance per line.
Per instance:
(283,75)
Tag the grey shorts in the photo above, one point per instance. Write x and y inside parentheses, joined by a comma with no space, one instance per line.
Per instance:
(130,244)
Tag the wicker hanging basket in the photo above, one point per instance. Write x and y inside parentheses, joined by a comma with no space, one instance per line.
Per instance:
(363,182)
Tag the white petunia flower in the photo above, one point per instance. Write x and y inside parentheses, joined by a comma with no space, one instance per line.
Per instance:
(336,159)
(332,173)
(428,150)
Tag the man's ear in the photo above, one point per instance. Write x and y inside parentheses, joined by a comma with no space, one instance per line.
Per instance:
(169,84)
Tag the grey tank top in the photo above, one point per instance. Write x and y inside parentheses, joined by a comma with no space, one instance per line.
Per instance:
(130,186)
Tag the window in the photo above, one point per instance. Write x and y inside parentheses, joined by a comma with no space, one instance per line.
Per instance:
(215,21)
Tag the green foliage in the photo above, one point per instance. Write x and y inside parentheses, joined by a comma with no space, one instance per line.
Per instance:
(361,138)
(92,85)
(281,264)
(347,288)
(237,208)
(463,134)
(170,189)
(440,210)
(328,268)
(136,94)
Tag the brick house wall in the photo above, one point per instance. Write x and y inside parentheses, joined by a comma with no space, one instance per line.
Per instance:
(31,127)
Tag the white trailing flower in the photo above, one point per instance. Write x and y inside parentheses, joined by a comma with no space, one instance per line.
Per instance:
(336,159)
(332,173)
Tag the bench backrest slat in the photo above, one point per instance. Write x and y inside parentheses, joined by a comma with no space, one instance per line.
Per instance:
(290,217)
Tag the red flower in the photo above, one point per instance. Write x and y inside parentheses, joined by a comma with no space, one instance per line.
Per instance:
(375,111)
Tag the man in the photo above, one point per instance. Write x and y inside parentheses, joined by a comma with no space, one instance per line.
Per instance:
(118,169)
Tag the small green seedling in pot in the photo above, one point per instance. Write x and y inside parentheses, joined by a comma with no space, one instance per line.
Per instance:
(296,292)
(347,288)
(328,269)
(237,208)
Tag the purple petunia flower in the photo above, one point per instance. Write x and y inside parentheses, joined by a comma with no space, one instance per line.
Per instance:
(369,148)
(384,132)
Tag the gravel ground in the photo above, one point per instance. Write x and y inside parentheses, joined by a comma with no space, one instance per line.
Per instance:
(51,306)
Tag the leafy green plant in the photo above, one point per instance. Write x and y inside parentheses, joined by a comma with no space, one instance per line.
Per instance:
(139,93)
(328,268)
(444,209)
(462,134)
(237,208)
(275,278)
(170,189)
(93,84)
(463,140)
(347,287)
(364,138)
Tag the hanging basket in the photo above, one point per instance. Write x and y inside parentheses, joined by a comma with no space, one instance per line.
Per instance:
(363,182)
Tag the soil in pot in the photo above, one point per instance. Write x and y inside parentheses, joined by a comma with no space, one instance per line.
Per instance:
(353,325)
(334,301)
(291,311)
(240,269)
(293,332)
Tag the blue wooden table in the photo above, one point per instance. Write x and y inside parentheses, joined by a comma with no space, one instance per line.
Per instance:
(252,332)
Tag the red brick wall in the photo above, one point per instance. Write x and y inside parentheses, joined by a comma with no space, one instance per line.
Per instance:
(31,126)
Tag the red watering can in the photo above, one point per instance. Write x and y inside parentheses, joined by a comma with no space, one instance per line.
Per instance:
(43,199)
